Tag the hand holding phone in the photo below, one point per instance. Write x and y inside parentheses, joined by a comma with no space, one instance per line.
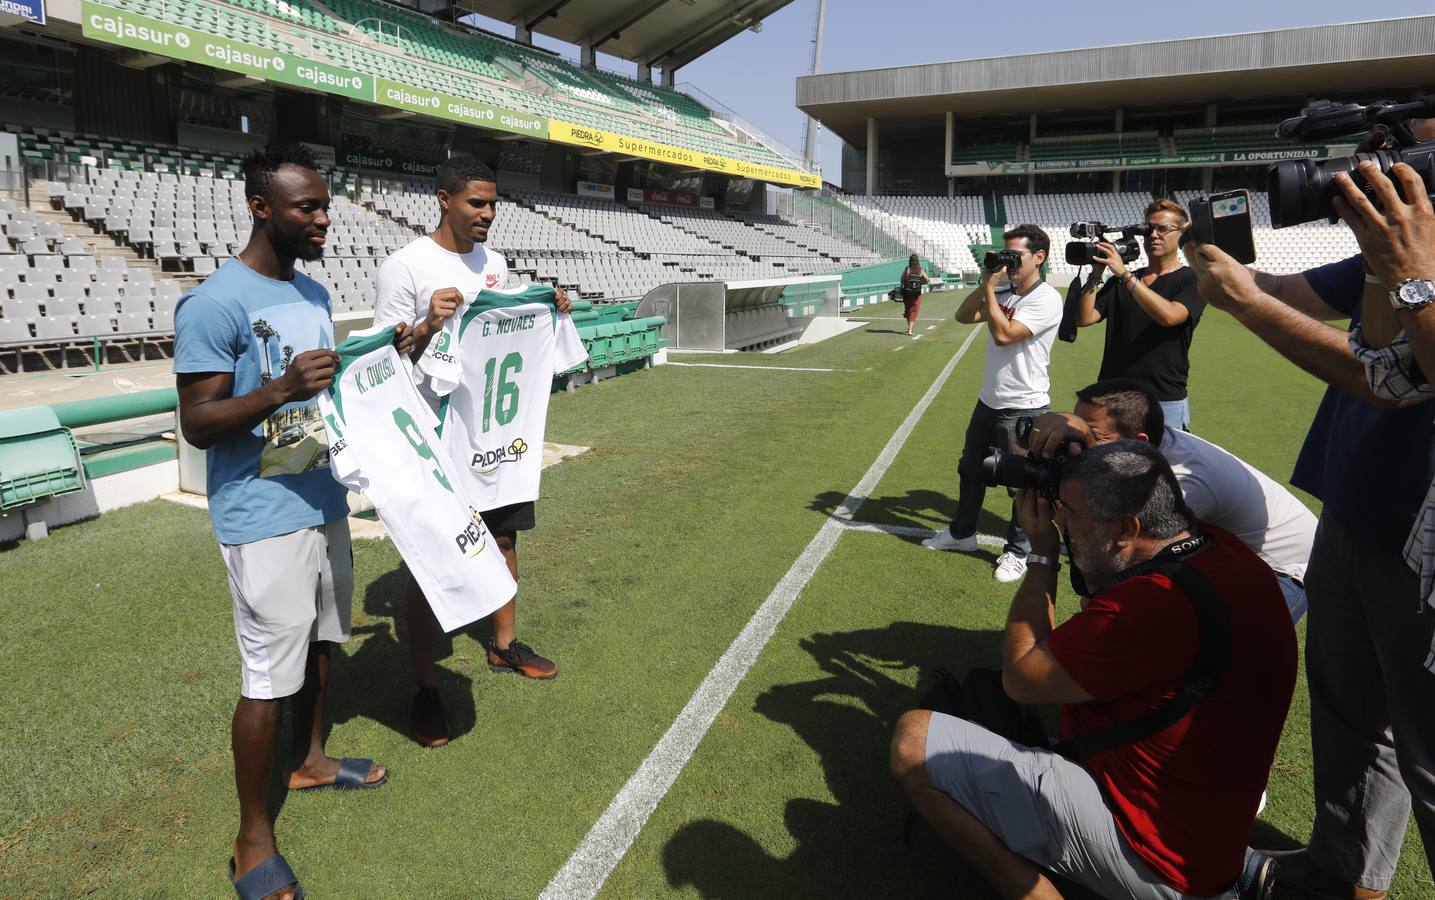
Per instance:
(1224,220)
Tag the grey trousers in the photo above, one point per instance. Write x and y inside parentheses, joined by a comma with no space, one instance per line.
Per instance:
(1372,705)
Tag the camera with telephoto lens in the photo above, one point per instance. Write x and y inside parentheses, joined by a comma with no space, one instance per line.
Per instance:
(1300,190)
(1001,259)
(1012,469)
(1015,470)
(1083,252)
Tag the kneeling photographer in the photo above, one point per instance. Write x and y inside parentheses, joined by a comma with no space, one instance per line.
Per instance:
(1146,796)
(1220,488)
(1151,313)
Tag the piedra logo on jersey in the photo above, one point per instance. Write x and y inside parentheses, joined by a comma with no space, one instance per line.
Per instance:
(471,540)
(485,461)
(441,348)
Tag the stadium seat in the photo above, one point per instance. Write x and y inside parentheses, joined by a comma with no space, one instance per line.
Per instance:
(14,331)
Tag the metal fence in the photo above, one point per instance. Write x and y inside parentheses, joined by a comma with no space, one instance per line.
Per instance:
(826,209)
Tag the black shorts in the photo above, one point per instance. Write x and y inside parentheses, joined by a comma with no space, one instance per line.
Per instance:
(516,517)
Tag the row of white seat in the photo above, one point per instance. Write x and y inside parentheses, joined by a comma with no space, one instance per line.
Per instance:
(60,329)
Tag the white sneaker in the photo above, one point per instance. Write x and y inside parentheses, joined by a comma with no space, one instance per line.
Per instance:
(1010,567)
(943,540)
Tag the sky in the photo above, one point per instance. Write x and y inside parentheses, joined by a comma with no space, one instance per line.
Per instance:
(755,74)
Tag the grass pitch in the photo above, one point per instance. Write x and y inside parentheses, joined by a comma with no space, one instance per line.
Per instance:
(652,552)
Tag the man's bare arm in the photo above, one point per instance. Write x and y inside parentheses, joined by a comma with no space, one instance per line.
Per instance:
(1320,349)
(1294,291)
(209,415)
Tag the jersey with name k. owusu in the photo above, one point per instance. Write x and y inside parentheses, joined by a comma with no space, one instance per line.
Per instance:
(382,441)
(493,365)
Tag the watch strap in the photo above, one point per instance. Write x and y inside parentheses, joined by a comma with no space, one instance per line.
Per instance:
(1036,559)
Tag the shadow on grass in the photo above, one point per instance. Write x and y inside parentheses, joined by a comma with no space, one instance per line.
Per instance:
(917,509)
(853,845)
(376,680)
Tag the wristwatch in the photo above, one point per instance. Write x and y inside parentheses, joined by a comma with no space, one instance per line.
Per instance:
(1036,559)
(1413,293)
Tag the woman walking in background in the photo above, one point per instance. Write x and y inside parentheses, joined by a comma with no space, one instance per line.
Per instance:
(913,278)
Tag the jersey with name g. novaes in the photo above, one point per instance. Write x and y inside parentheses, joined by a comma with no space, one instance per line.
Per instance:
(382,441)
(493,364)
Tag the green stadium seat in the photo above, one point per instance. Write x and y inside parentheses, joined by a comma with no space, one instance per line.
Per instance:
(38,457)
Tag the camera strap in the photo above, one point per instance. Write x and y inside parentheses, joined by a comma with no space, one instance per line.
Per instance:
(1066,331)
(1213,654)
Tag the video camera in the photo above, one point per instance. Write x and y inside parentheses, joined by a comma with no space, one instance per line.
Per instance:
(1301,189)
(1015,470)
(1082,252)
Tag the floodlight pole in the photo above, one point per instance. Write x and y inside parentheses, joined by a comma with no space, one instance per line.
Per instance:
(809,140)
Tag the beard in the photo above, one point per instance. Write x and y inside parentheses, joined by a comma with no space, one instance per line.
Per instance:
(296,246)
(1099,564)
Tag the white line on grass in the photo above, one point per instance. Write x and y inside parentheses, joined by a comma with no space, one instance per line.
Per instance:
(770,368)
(985,540)
(610,837)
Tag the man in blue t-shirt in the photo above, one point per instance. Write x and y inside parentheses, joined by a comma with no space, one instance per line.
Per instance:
(252,350)
(1369,460)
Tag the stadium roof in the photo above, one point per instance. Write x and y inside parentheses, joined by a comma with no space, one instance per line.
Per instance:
(665,34)
(1392,55)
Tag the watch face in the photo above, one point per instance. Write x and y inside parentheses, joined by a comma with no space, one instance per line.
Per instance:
(1417,292)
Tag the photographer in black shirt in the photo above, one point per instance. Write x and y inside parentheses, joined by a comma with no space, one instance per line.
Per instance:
(1150,313)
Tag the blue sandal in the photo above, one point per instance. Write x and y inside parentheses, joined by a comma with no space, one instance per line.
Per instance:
(352,776)
(268,877)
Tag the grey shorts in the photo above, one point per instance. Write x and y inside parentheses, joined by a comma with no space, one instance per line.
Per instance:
(288,592)
(1041,805)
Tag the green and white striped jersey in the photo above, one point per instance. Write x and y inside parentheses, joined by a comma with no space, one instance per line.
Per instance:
(382,442)
(493,364)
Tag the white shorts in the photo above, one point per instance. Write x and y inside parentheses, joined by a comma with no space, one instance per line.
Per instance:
(288,592)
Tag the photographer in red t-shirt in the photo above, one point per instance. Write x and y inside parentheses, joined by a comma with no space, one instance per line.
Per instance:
(1164,816)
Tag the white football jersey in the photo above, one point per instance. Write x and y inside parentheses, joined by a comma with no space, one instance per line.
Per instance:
(493,364)
(382,441)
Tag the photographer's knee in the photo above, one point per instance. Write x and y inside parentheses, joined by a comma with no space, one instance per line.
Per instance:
(909,749)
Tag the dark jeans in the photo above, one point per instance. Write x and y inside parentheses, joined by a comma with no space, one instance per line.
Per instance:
(982,432)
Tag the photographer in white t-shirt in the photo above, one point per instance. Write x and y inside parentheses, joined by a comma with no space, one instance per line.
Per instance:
(1218,486)
(1021,312)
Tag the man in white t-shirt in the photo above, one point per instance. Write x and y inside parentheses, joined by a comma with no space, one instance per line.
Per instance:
(1022,313)
(1218,486)
(424,284)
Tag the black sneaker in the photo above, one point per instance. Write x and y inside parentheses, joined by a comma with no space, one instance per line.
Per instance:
(427,720)
(1258,880)
(519,657)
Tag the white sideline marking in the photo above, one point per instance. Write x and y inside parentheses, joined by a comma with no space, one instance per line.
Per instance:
(985,540)
(731,366)
(610,837)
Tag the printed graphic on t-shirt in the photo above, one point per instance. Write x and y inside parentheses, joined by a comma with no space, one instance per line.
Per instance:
(294,438)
